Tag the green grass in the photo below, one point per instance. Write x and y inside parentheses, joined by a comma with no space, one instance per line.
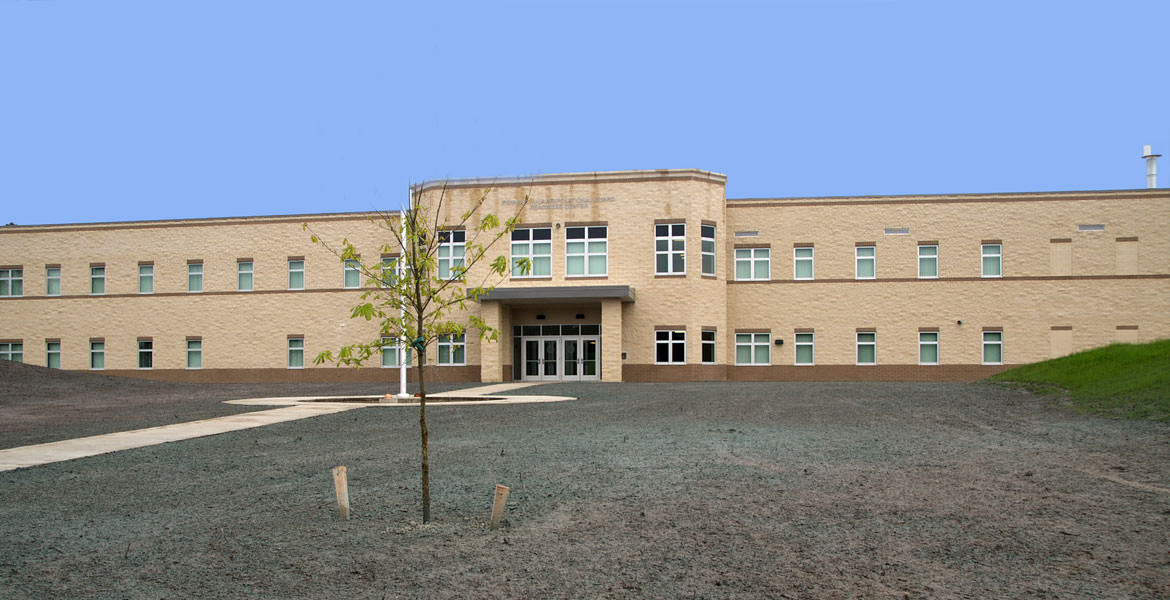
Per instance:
(1130,381)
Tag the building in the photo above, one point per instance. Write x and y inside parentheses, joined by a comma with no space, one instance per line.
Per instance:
(639,276)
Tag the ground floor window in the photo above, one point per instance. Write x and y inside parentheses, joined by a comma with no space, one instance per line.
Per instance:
(145,354)
(928,347)
(390,353)
(452,350)
(194,354)
(804,349)
(296,353)
(753,348)
(53,354)
(13,351)
(866,348)
(670,347)
(708,339)
(993,347)
(97,354)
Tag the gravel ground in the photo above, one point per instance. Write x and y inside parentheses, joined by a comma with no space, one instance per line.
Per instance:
(705,490)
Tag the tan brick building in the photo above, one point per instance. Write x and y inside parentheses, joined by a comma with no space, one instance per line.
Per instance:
(638,276)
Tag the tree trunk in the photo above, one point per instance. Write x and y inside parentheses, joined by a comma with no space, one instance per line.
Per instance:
(422,428)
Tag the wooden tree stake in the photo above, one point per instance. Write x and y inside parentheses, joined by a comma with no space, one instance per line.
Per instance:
(498,505)
(342,488)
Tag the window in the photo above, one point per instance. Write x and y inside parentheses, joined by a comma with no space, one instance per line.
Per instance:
(145,354)
(866,348)
(195,277)
(753,349)
(52,281)
(451,253)
(993,347)
(53,354)
(390,352)
(866,259)
(586,251)
(11,282)
(670,347)
(535,244)
(296,352)
(296,274)
(452,350)
(927,261)
(194,354)
(992,260)
(707,246)
(244,275)
(97,354)
(928,347)
(802,259)
(708,340)
(352,275)
(13,351)
(146,278)
(390,270)
(97,280)
(670,246)
(804,349)
(753,264)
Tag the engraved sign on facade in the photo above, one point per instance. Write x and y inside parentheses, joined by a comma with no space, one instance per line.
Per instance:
(561,203)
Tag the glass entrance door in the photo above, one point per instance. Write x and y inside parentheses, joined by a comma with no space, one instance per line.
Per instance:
(580,358)
(570,356)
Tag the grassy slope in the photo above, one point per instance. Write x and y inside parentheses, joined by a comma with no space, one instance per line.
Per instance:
(1122,380)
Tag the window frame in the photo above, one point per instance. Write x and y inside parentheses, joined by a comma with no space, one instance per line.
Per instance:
(97,349)
(146,351)
(146,277)
(51,352)
(351,266)
(448,243)
(12,278)
(670,237)
(797,344)
(704,254)
(530,243)
(987,343)
(95,278)
(453,343)
(858,258)
(922,343)
(390,343)
(50,278)
(190,274)
(753,261)
(675,341)
(931,257)
(8,353)
(241,272)
(708,339)
(296,344)
(586,256)
(293,270)
(871,343)
(753,344)
(984,255)
(797,260)
(198,351)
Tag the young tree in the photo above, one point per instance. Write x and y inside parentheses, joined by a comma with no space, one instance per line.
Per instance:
(419,296)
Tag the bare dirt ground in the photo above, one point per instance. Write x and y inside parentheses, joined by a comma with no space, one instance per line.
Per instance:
(704,490)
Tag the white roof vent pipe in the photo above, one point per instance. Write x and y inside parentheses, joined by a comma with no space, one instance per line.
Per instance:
(1151,167)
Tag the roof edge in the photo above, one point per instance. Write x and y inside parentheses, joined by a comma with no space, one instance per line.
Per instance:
(571,178)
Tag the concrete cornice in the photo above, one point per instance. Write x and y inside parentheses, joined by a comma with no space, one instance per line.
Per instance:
(577,178)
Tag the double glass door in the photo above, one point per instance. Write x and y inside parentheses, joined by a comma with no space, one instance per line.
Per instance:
(564,357)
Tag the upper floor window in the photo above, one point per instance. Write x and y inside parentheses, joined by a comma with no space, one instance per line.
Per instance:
(352,276)
(753,264)
(670,347)
(802,261)
(927,261)
(866,257)
(992,260)
(586,251)
(97,280)
(195,277)
(146,278)
(707,240)
(52,281)
(535,244)
(452,350)
(451,251)
(296,274)
(670,249)
(391,266)
(11,282)
(244,275)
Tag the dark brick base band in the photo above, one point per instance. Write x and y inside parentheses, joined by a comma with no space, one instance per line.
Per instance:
(812,373)
(315,375)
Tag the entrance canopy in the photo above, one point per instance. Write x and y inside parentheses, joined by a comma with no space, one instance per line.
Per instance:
(559,294)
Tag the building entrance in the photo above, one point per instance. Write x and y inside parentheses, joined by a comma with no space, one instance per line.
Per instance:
(559,352)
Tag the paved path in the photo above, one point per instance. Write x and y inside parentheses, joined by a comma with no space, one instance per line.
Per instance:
(291,410)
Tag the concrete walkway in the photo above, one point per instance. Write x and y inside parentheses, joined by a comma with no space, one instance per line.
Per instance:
(291,409)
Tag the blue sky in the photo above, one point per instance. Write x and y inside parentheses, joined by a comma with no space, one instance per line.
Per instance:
(119,110)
